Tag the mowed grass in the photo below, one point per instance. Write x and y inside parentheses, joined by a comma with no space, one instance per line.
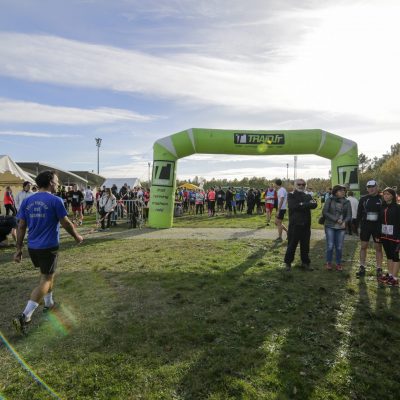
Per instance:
(191,319)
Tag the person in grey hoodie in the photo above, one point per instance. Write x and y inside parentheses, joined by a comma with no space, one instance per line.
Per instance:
(337,212)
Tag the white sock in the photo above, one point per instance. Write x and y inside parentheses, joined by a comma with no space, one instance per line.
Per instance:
(31,306)
(48,300)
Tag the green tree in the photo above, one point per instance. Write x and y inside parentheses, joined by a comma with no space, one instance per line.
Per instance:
(364,162)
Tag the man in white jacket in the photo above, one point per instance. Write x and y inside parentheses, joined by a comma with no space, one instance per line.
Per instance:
(23,194)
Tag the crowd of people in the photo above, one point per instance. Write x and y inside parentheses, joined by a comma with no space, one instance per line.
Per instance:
(376,215)
(110,203)
(229,201)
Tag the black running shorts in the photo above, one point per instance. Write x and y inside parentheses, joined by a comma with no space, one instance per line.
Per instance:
(367,230)
(281,214)
(45,259)
(390,250)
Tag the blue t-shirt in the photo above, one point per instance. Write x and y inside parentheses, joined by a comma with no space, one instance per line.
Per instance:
(42,213)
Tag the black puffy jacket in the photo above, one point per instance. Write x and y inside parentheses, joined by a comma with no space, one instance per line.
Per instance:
(300,205)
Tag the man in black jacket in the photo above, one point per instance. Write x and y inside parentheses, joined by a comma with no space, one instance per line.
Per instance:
(300,205)
(368,212)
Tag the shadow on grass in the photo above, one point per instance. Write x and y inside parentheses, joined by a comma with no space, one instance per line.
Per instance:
(375,334)
(298,311)
(250,331)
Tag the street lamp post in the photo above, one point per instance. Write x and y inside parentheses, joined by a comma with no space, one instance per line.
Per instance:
(98,144)
(287,171)
(149,165)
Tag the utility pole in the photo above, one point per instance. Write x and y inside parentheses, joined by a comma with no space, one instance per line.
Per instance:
(287,171)
(295,168)
(98,144)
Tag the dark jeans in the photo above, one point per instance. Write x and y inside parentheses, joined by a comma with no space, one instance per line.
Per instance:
(211,207)
(10,207)
(296,234)
(105,217)
(199,209)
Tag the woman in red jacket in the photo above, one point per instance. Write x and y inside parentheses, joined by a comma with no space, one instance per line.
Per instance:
(9,202)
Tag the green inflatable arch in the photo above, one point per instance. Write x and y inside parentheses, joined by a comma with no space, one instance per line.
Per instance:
(342,153)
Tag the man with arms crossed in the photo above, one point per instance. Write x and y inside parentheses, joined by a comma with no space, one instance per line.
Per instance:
(368,211)
(281,211)
(300,206)
(42,215)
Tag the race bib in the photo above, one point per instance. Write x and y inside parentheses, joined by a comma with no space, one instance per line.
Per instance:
(270,201)
(387,229)
(372,216)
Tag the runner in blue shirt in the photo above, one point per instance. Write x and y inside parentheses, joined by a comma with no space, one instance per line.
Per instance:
(42,215)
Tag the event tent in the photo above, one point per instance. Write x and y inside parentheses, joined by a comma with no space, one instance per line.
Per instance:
(66,178)
(11,174)
(189,186)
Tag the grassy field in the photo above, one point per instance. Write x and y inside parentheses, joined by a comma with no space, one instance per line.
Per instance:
(240,220)
(191,319)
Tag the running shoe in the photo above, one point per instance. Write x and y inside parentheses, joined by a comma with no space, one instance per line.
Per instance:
(339,267)
(48,309)
(379,272)
(307,266)
(383,278)
(288,267)
(361,272)
(328,266)
(21,324)
(392,282)
(278,239)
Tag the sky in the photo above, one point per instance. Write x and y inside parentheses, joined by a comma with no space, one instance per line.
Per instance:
(131,72)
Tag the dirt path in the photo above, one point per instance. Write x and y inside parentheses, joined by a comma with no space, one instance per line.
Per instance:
(197,233)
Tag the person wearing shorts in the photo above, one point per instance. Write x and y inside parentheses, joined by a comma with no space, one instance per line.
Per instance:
(281,211)
(89,200)
(368,212)
(390,236)
(269,202)
(42,215)
(76,202)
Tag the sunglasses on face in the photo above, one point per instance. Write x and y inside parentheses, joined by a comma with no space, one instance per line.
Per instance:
(370,187)
(301,184)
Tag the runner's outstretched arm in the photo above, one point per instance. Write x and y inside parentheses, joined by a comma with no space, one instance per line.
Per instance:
(69,227)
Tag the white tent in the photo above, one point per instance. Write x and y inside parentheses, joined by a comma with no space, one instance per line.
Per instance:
(11,174)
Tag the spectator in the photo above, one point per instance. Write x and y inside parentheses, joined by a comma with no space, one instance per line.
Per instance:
(337,213)
(389,220)
(89,199)
(211,202)
(281,211)
(300,205)
(368,212)
(9,202)
(23,194)
(107,204)
(352,225)
(269,202)
(220,199)
(251,201)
